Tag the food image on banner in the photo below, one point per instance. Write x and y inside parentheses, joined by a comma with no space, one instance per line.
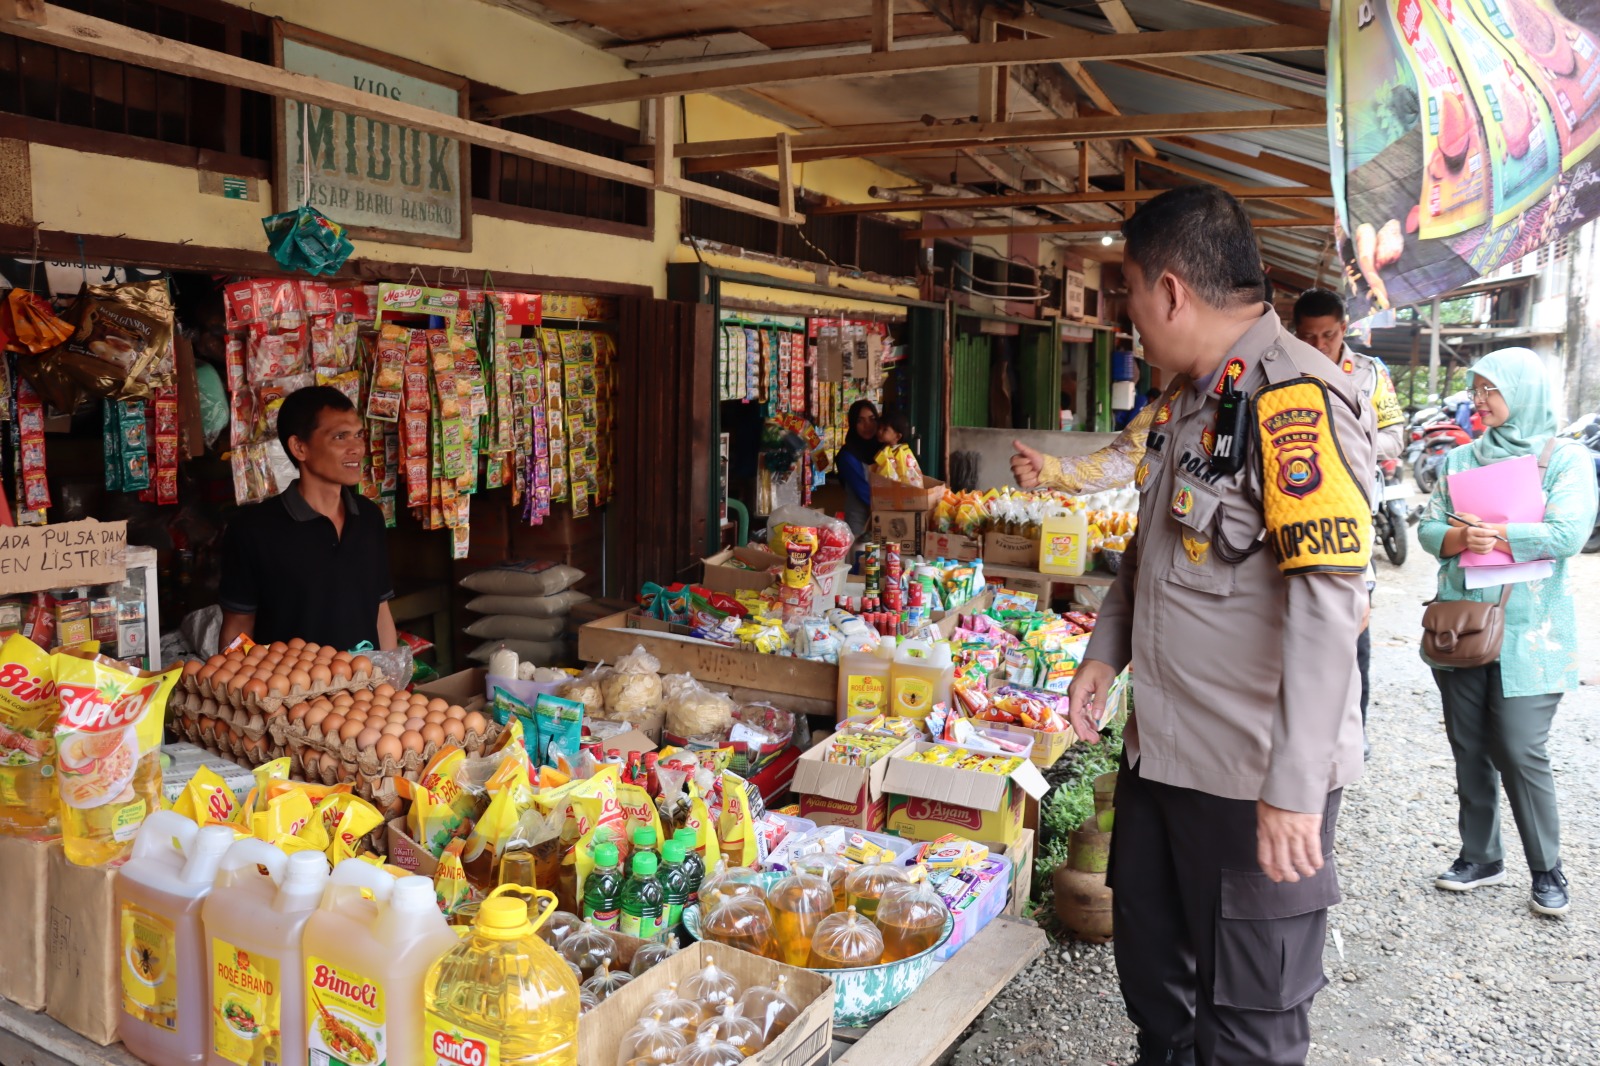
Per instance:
(1563,60)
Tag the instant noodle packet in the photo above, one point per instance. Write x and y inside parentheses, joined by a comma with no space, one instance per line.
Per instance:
(108,752)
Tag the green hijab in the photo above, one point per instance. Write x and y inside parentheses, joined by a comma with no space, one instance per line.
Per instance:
(1520,376)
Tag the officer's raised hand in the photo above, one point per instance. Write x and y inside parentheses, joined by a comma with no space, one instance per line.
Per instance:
(1288,843)
(1087,696)
(1026,465)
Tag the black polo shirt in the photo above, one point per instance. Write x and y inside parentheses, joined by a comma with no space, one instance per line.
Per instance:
(284,563)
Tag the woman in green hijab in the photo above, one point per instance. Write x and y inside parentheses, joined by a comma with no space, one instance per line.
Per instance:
(1498,716)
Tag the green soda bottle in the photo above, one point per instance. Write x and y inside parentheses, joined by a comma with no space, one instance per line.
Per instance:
(674,879)
(693,863)
(644,902)
(602,891)
(644,839)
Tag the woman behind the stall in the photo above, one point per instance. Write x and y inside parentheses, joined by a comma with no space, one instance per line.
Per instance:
(1498,716)
(853,462)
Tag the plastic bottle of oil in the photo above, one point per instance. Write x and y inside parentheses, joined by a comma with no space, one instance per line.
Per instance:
(253,926)
(921,678)
(368,949)
(502,996)
(159,893)
(864,681)
(1064,544)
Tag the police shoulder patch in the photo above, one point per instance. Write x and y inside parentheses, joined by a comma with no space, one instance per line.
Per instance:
(1317,515)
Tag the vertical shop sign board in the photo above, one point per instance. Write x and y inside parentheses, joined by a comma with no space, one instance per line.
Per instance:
(382,180)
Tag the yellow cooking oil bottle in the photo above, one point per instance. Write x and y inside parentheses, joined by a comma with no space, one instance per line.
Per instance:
(368,949)
(159,892)
(920,678)
(864,680)
(503,997)
(1064,544)
(254,921)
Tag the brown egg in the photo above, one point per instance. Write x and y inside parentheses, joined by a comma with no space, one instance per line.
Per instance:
(295,644)
(216,660)
(342,657)
(361,666)
(412,741)
(455,730)
(239,680)
(456,713)
(278,685)
(206,672)
(340,671)
(326,653)
(299,680)
(255,687)
(278,647)
(415,724)
(343,699)
(476,723)
(352,728)
(316,716)
(432,734)
(392,729)
(332,724)
(298,711)
(437,704)
(193,667)
(384,689)
(362,695)
(256,654)
(320,676)
(223,676)
(389,747)
(355,714)
(434,717)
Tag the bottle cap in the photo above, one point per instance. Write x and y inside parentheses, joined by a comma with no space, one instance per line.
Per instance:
(644,837)
(672,851)
(645,864)
(413,894)
(686,837)
(503,917)
(606,855)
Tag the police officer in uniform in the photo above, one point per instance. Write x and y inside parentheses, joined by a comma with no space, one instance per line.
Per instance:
(1238,606)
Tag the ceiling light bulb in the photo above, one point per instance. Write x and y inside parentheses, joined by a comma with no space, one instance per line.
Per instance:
(1106,240)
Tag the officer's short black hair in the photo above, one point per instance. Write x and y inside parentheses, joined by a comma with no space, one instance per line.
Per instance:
(1202,235)
(298,415)
(1319,303)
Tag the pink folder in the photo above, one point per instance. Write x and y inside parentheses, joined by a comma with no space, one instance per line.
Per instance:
(1508,491)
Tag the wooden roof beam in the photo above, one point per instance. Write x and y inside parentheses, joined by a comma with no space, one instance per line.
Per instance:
(1300,205)
(1092,227)
(881,64)
(68,29)
(1271,11)
(1094,196)
(1266,162)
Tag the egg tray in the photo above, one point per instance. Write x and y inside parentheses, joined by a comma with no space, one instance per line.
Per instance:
(266,704)
(229,731)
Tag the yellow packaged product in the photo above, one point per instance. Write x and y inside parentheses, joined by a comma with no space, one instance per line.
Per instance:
(286,815)
(207,800)
(266,775)
(737,829)
(28,708)
(108,752)
(450,885)
(346,819)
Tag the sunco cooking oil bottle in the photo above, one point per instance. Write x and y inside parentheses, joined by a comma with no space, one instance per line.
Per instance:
(368,949)
(503,997)
(159,892)
(254,919)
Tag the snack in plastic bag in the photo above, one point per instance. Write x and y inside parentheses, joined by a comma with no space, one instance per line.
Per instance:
(696,717)
(632,690)
(108,752)
(585,689)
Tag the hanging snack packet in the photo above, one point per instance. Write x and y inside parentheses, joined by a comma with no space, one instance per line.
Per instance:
(108,752)
(28,709)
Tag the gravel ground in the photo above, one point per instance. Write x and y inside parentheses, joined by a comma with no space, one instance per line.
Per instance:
(1417,975)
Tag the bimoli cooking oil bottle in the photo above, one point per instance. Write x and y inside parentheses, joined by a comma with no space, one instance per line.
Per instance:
(254,919)
(502,997)
(159,892)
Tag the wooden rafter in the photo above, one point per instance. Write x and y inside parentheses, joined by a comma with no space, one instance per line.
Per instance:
(1094,227)
(22,11)
(1094,196)
(723,60)
(882,25)
(1271,11)
(70,30)
(1300,205)
(1265,163)
(880,64)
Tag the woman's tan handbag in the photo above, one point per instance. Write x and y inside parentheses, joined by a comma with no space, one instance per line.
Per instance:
(1462,634)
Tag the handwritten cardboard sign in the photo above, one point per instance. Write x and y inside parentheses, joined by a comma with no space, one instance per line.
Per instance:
(35,558)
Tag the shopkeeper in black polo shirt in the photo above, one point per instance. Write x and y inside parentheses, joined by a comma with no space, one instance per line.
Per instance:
(313,561)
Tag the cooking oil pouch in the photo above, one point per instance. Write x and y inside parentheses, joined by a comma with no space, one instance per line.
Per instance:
(207,800)
(266,775)
(286,815)
(108,752)
(437,802)
(450,885)
(638,810)
(346,820)
(28,710)
(737,826)
(700,821)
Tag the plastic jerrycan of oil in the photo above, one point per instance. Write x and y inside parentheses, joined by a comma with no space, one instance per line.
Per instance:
(864,681)
(503,997)
(921,677)
(368,949)
(255,919)
(159,892)
(1064,544)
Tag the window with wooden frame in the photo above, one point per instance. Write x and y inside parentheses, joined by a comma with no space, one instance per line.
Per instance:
(509,186)
(57,94)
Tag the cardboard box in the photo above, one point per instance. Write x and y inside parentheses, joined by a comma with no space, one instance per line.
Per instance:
(1020,579)
(1021,856)
(465,688)
(951,546)
(806,1042)
(927,801)
(720,576)
(898,527)
(832,794)
(1004,549)
(897,496)
(25,918)
(182,761)
(407,853)
(83,985)
(611,638)
(1047,747)
(63,555)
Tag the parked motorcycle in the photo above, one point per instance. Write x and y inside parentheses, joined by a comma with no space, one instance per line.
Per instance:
(1429,445)
(1389,516)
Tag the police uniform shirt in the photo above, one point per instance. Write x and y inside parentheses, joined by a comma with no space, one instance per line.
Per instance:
(1241,598)
(284,562)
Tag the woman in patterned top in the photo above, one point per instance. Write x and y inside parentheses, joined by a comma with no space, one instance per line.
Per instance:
(1498,716)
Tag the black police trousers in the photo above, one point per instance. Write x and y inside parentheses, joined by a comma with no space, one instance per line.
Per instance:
(1218,964)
